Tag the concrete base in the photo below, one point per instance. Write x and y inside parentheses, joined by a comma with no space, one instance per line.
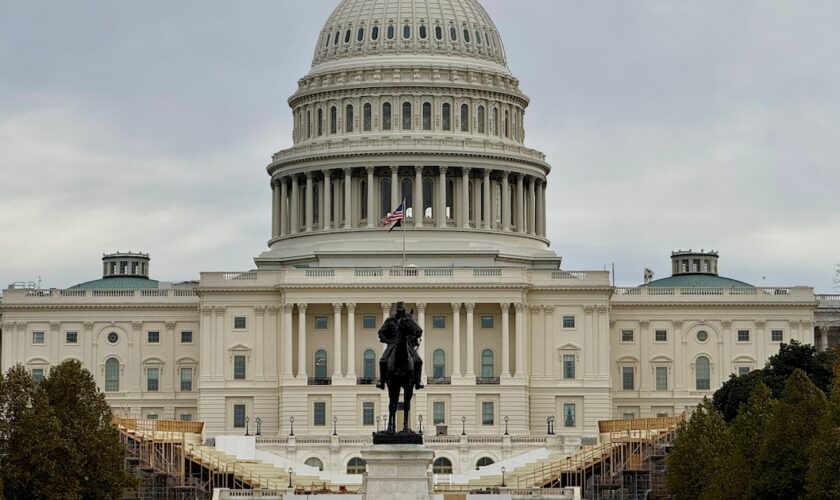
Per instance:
(398,472)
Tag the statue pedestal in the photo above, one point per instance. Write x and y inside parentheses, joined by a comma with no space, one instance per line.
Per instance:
(398,472)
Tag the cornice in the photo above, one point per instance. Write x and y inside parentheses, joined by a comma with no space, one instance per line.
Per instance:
(419,286)
(711,304)
(76,306)
(419,88)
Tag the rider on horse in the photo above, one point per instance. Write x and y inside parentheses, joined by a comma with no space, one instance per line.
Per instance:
(389,334)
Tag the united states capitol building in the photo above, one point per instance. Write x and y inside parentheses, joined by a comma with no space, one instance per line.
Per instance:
(408,100)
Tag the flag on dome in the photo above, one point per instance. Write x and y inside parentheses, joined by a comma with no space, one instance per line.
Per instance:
(394,217)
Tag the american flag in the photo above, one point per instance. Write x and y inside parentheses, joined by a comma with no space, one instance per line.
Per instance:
(396,216)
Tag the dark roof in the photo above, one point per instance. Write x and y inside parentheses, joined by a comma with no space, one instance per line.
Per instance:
(697,281)
(123,283)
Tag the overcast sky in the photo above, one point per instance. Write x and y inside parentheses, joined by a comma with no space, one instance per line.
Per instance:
(147,125)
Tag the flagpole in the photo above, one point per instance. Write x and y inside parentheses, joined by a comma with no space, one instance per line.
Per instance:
(402,223)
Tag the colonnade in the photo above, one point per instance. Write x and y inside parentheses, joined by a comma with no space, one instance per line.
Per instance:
(463,197)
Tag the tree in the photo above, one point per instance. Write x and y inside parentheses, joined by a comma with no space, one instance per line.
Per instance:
(695,458)
(824,460)
(735,392)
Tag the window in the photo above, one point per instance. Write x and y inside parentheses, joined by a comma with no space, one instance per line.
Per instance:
(152,379)
(477,38)
(465,118)
(153,337)
(239,323)
(239,367)
(661,378)
(386,116)
(438,412)
(38,338)
(385,197)
(466,35)
(660,336)
(702,336)
(319,413)
(368,411)
(356,465)
(743,370)
(360,35)
(37,375)
(368,321)
(480,119)
(408,197)
(453,33)
(628,415)
(487,413)
(186,337)
(320,122)
(627,335)
(428,210)
(314,462)
(702,369)
(335,38)
(438,33)
(333,120)
(406,32)
(569,366)
(442,465)
(238,416)
(438,363)
(367,111)
(369,364)
(427,116)
(348,118)
(71,337)
(483,462)
(488,321)
(363,196)
(347,36)
(185,417)
(112,375)
(776,336)
(374,33)
(743,335)
(423,32)
(391,32)
(438,321)
(321,363)
(627,376)
(506,129)
(487,370)
(568,321)
(495,121)
(308,124)
(406,116)
(186,379)
(320,322)
(152,416)
(569,415)
(446,116)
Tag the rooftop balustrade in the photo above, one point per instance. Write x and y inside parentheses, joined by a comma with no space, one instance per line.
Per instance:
(108,295)
(693,294)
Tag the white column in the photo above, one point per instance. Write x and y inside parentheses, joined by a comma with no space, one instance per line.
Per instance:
(532,205)
(418,197)
(520,204)
(310,212)
(456,339)
(424,353)
(396,190)
(204,341)
(470,307)
(465,197)
(485,223)
(337,339)
(644,345)
(823,339)
(219,347)
(538,210)
(348,198)
(287,340)
(275,209)
(386,309)
(441,205)
(259,343)
(351,341)
(505,339)
(505,202)
(301,341)
(543,231)
(294,222)
(370,216)
(326,215)
(284,216)
(520,339)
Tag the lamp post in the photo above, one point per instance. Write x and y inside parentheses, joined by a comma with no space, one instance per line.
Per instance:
(247,419)
(506,426)
(548,425)
(335,423)
(503,477)
(377,422)
(259,426)
(463,426)
(291,471)
(292,425)
(420,419)
(551,425)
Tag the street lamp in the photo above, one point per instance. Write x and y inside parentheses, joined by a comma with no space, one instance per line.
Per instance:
(259,426)
(551,425)
(420,418)
(335,422)
(292,425)
(463,426)
(247,419)
(548,425)
(291,471)
(377,422)
(506,426)
(503,477)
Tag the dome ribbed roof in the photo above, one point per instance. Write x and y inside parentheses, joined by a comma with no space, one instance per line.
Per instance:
(369,28)
(698,281)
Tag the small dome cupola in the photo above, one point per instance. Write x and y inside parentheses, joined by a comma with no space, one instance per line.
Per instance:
(691,262)
(125,264)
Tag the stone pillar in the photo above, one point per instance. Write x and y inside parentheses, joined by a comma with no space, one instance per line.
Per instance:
(543,230)
(370,216)
(326,216)
(396,190)
(644,347)
(275,209)
(520,204)
(348,198)
(219,347)
(538,210)
(310,212)
(520,339)
(485,221)
(505,202)
(470,307)
(532,205)
(284,216)
(417,208)
(823,339)
(505,339)
(548,325)
(294,222)
(287,340)
(465,198)
(398,472)
(301,373)
(259,341)
(456,339)
(351,341)
(204,341)
(424,353)
(337,339)
(441,208)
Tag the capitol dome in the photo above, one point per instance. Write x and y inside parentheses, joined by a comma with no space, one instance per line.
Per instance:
(408,100)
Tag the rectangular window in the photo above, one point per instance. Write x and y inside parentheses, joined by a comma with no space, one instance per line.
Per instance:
(743,370)
(568,321)
(369,322)
(37,337)
(776,336)
(153,337)
(152,416)
(152,379)
(239,416)
(660,336)
(627,335)
(239,323)
(627,378)
(662,414)
(661,378)
(487,413)
(319,413)
(185,417)
(569,415)
(628,415)
(186,379)
(743,335)
(488,321)
(438,321)
(320,322)
(438,412)
(71,337)
(569,366)
(239,367)
(186,338)
(367,413)
(37,375)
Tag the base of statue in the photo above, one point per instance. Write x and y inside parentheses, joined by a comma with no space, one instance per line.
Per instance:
(398,472)
(397,438)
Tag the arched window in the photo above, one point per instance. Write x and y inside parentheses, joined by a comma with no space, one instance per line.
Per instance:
(483,461)
(408,196)
(446,119)
(453,33)
(497,202)
(480,119)
(465,118)
(335,38)
(362,200)
(326,40)
(348,117)
(442,465)
(391,32)
(507,129)
(406,116)
(112,375)
(438,363)
(487,369)
(308,124)
(367,111)
(386,116)
(406,31)
(374,33)
(472,202)
(702,375)
(360,35)
(512,201)
(385,197)
(320,122)
(495,121)
(321,363)
(428,196)
(450,199)
(466,35)
(423,32)
(356,465)
(333,120)
(369,364)
(438,33)
(315,462)
(427,116)
(316,203)
(477,37)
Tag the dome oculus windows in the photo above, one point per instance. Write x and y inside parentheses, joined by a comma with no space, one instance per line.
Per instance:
(438,33)
(406,31)
(374,33)
(347,36)
(113,338)
(702,336)
(423,32)
(335,38)
(453,33)
(466,35)
(391,32)
(360,35)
